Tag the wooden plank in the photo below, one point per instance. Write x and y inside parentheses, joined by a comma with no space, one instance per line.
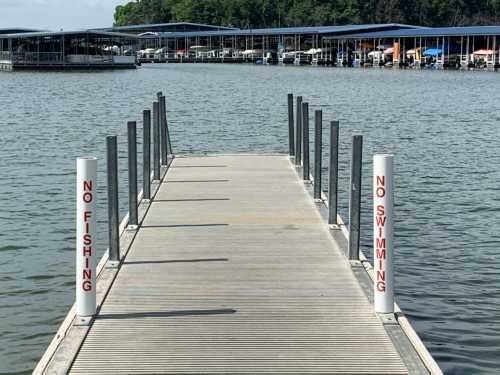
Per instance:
(234,271)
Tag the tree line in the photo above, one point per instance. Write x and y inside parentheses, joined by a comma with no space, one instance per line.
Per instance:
(287,13)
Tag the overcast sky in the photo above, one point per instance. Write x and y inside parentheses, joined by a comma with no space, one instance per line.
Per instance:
(57,14)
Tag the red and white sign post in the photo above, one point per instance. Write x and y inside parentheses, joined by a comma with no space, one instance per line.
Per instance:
(383,247)
(86,178)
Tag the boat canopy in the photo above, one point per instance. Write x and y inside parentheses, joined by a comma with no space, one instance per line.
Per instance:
(433,52)
(483,52)
(375,54)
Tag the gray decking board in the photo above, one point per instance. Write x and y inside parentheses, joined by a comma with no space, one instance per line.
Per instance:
(234,271)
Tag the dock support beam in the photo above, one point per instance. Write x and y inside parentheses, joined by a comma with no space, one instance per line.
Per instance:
(146,155)
(318,140)
(156,142)
(298,134)
(291,135)
(355,197)
(305,140)
(132,175)
(333,173)
(113,224)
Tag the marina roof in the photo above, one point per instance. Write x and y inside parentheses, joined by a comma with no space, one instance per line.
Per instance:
(16,30)
(60,33)
(340,30)
(157,26)
(430,32)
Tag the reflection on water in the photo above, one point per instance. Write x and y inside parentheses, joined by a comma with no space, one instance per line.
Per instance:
(441,126)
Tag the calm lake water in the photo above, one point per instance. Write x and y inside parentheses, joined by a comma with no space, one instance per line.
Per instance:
(442,127)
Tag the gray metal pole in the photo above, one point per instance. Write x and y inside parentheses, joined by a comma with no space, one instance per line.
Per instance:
(167,132)
(132,173)
(291,135)
(146,155)
(156,142)
(305,140)
(298,133)
(333,173)
(113,224)
(355,201)
(318,140)
(163,130)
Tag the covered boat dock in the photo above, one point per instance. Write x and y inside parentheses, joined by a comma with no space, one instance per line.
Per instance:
(88,49)
(442,47)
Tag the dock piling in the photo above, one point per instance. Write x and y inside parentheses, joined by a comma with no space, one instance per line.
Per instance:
(383,247)
(146,154)
(333,173)
(132,174)
(86,186)
(298,133)
(156,142)
(305,141)
(163,129)
(291,126)
(318,140)
(355,197)
(113,223)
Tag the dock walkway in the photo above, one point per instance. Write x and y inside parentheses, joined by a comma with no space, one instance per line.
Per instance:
(234,270)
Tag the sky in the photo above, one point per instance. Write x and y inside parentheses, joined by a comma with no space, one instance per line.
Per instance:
(57,14)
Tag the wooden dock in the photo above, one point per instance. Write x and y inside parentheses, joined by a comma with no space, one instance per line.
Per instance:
(234,270)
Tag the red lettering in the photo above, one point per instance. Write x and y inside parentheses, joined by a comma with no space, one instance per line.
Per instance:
(87,197)
(87,263)
(380,243)
(381,180)
(381,286)
(86,216)
(87,274)
(87,286)
(87,239)
(380,253)
(380,192)
(381,275)
(87,185)
(380,210)
(380,221)
(87,251)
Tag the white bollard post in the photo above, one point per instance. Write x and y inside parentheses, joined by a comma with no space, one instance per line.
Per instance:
(383,247)
(86,179)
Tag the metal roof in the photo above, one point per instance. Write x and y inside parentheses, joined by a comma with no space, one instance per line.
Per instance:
(156,25)
(60,33)
(429,32)
(344,29)
(17,30)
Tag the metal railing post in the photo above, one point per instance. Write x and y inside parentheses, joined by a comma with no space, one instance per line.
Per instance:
(298,133)
(113,223)
(291,135)
(318,140)
(355,197)
(132,174)
(146,155)
(163,130)
(333,173)
(305,141)
(156,142)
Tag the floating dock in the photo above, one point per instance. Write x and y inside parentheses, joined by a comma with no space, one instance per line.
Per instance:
(228,264)
(234,270)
